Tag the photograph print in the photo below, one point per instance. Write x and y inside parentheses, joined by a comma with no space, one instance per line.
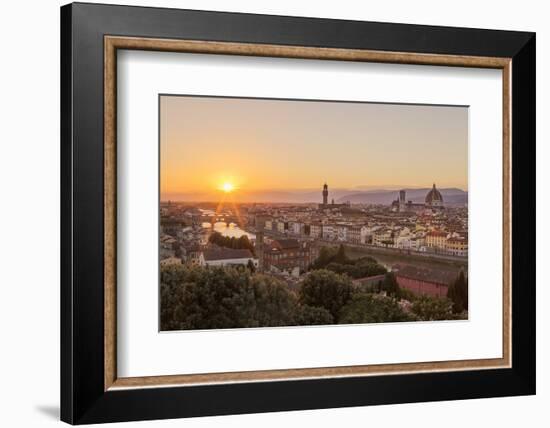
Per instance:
(284,212)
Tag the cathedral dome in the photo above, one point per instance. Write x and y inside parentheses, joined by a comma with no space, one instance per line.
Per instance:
(434,197)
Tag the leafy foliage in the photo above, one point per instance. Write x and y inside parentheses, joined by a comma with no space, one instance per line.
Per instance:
(336,260)
(195,297)
(326,255)
(326,289)
(433,308)
(201,298)
(275,305)
(373,308)
(340,256)
(360,269)
(390,285)
(222,297)
(406,294)
(458,293)
(329,255)
(312,315)
(231,242)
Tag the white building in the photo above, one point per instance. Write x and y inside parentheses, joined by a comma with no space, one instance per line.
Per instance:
(315,230)
(329,232)
(296,228)
(403,242)
(341,232)
(383,238)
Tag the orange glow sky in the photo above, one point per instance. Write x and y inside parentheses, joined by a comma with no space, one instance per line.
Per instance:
(260,145)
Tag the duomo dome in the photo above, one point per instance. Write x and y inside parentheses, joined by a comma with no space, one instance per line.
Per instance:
(434,198)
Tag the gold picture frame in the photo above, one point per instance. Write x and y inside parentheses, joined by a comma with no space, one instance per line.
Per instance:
(114,43)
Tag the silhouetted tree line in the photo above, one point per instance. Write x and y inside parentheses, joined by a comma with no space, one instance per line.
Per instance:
(336,260)
(225,297)
(458,293)
(231,242)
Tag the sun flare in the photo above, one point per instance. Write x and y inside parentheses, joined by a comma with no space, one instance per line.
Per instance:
(228,187)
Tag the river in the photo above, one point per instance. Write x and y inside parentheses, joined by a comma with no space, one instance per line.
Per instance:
(232,231)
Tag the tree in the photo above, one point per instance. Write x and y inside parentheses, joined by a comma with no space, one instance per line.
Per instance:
(409,295)
(326,289)
(224,297)
(340,256)
(433,308)
(235,243)
(274,305)
(360,269)
(326,254)
(206,298)
(336,260)
(311,315)
(171,293)
(366,260)
(458,293)
(390,285)
(372,308)
(329,255)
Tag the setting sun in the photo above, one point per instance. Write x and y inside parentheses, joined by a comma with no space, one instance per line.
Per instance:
(228,187)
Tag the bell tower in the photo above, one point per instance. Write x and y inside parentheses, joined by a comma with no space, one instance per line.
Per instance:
(402,206)
(325,194)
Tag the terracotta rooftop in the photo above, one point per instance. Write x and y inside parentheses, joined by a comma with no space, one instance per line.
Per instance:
(286,244)
(459,239)
(436,233)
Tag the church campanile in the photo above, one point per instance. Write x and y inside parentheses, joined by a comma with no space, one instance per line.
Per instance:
(325,194)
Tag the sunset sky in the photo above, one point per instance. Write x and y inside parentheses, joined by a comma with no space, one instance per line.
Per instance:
(259,145)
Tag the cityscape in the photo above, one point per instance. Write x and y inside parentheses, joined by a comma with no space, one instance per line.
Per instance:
(240,258)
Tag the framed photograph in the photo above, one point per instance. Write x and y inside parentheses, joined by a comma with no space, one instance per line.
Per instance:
(266,213)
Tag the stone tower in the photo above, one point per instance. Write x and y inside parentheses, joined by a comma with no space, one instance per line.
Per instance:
(325,194)
(402,203)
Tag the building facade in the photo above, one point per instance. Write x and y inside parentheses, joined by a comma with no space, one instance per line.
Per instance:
(423,281)
(436,239)
(288,255)
(457,246)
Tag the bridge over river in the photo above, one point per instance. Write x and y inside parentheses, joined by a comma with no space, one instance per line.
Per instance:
(220,218)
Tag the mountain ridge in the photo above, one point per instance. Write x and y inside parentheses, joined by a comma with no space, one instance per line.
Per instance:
(450,195)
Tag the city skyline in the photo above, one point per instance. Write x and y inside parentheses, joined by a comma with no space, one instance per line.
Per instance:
(279,213)
(306,196)
(259,145)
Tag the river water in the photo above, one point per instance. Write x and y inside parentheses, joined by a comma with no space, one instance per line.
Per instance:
(232,231)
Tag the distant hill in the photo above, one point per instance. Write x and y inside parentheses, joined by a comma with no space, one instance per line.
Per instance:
(374,196)
(385,197)
(298,196)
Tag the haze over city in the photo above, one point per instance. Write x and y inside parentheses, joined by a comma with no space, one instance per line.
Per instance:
(269,150)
